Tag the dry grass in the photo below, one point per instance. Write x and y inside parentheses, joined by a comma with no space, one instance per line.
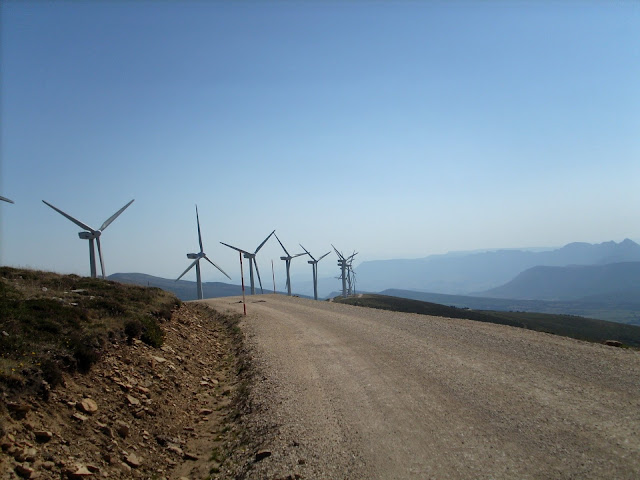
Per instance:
(51,323)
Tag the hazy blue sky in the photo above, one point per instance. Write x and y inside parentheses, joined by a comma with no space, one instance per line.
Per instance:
(396,129)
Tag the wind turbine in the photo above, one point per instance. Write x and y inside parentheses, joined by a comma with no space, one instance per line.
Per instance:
(196,257)
(252,262)
(344,263)
(287,260)
(6,199)
(351,275)
(91,235)
(314,264)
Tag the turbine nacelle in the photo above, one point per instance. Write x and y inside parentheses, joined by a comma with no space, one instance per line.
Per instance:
(89,235)
(193,256)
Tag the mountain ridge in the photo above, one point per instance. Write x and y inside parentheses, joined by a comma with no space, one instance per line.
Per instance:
(476,272)
(571,282)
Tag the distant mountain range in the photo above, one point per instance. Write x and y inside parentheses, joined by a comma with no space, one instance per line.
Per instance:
(573,282)
(461,273)
(183,289)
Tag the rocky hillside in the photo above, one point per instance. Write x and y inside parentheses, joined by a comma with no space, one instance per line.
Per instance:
(160,407)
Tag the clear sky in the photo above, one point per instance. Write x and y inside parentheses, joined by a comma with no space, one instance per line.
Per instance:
(398,129)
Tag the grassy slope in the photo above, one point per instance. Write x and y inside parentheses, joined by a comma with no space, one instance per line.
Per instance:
(566,325)
(621,307)
(51,323)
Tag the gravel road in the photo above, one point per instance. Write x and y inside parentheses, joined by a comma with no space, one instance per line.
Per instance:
(349,392)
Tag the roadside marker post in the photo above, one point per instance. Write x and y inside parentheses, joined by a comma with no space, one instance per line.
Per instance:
(244,305)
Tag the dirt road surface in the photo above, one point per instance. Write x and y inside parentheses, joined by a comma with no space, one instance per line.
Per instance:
(349,392)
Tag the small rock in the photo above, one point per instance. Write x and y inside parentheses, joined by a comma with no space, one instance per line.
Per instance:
(48,465)
(122,428)
(26,455)
(190,456)
(262,454)
(79,417)
(133,400)
(132,460)
(43,436)
(87,405)
(206,411)
(25,471)
(78,472)
(159,359)
(19,410)
(175,449)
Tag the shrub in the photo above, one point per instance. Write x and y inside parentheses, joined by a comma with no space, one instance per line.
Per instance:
(133,329)
(152,334)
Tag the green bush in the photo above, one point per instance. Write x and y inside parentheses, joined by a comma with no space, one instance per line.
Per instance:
(152,334)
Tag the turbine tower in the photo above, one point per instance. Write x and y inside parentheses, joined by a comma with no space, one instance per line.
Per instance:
(252,261)
(196,257)
(287,260)
(314,264)
(4,199)
(351,276)
(91,235)
(345,264)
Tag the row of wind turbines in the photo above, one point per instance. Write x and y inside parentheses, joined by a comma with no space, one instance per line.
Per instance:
(93,236)
(347,275)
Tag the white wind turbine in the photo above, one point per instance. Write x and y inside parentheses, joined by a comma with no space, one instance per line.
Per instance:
(314,264)
(91,235)
(252,261)
(196,257)
(287,260)
(344,263)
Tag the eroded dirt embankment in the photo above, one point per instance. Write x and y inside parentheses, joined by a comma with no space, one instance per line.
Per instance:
(140,412)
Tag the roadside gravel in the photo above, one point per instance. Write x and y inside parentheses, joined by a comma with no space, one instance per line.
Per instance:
(349,392)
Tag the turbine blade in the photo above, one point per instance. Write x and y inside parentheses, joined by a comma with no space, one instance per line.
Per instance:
(5,199)
(258,271)
(188,268)
(100,256)
(199,235)
(207,259)
(285,250)
(263,242)
(339,254)
(307,252)
(298,255)
(324,255)
(77,222)
(235,248)
(114,216)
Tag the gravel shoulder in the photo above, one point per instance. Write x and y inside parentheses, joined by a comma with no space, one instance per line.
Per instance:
(348,392)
